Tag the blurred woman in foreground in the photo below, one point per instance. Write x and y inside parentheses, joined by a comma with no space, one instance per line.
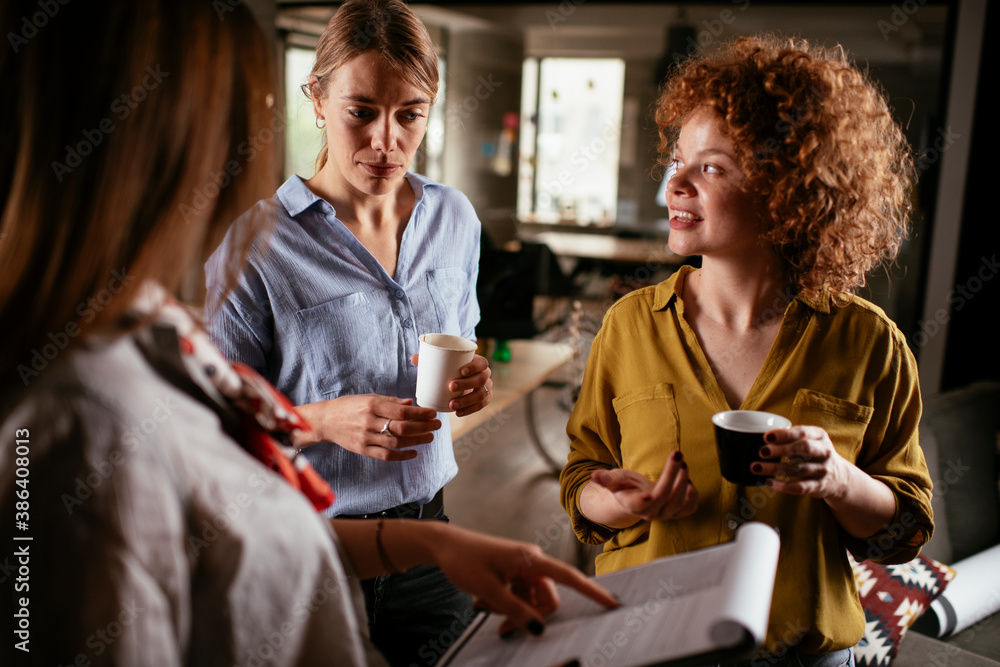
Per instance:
(132,479)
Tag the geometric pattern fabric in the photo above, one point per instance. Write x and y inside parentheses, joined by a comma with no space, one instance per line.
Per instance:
(893,596)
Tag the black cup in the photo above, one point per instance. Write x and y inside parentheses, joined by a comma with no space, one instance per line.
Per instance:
(739,435)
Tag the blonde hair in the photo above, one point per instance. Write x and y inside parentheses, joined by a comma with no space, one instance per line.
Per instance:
(385,26)
(818,143)
(136,170)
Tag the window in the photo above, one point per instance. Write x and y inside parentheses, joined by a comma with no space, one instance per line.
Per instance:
(571,119)
(302,141)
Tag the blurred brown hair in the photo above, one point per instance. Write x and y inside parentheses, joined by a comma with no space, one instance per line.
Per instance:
(816,140)
(385,26)
(128,117)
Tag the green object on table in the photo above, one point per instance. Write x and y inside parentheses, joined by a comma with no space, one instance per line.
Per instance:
(502,351)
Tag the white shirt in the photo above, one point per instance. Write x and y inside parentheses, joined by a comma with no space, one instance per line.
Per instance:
(156,539)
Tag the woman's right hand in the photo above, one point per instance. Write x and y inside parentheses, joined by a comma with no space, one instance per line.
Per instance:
(356,423)
(618,497)
(515,579)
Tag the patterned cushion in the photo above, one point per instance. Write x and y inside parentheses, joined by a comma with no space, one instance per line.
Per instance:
(893,596)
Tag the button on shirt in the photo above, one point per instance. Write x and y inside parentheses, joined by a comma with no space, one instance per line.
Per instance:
(316,314)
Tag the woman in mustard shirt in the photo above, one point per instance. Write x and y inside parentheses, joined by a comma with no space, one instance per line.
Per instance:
(790,178)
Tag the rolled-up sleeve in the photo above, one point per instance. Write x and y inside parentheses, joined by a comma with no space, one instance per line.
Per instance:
(592,425)
(892,455)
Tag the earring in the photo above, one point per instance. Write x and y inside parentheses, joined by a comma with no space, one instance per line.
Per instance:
(318,119)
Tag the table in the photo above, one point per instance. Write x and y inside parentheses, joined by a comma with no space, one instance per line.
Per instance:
(609,248)
(531,363)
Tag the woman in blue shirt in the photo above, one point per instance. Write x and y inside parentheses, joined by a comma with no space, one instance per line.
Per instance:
(364,258)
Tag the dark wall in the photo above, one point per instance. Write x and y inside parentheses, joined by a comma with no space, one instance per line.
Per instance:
(973,347)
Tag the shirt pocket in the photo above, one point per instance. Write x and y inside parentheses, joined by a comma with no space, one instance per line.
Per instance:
(438,299)
(845,422)
(346,343)
(647,417)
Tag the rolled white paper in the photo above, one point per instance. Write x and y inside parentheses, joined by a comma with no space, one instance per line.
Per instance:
(972,595)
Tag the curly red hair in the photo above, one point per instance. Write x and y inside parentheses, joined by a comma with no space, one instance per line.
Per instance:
(816,140)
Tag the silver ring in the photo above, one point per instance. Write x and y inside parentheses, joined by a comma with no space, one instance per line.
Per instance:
(487,389)
(385,429)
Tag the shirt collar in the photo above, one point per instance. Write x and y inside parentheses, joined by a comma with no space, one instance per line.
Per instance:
(296,196)
(820,303)
(670,289)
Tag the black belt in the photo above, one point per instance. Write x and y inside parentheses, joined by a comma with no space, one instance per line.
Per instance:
(429,510)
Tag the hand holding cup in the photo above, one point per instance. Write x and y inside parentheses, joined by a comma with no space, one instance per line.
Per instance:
(441,359)
(739,436)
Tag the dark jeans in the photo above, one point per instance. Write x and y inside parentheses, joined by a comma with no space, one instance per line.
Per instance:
(416,616)
(795,658)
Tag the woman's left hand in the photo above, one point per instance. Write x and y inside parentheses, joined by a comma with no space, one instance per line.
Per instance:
(806,463)
(475,383)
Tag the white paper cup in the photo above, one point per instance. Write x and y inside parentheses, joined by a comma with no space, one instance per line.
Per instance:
(441,359)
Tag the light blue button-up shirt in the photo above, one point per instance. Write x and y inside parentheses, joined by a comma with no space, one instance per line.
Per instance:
(316,314)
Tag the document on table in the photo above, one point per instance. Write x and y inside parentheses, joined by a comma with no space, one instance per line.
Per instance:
(703,606)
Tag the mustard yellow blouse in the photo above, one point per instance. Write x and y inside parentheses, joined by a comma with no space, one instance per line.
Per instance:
(837,363)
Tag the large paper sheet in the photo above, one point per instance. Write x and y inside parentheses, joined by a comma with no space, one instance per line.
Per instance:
(706,602)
